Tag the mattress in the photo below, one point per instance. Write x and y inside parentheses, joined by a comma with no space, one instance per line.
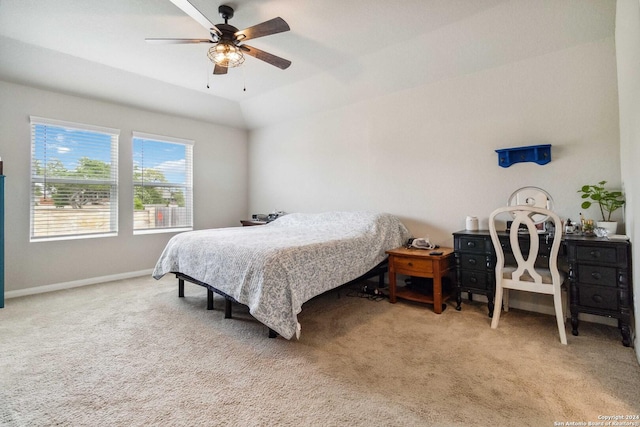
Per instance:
(274,268)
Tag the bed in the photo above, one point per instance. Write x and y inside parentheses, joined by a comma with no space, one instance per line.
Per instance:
(275,268)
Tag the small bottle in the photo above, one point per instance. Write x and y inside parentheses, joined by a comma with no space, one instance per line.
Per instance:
(569,227)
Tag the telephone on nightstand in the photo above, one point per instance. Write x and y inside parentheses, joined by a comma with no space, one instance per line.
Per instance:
(267,217)
(274,215)
(420,243)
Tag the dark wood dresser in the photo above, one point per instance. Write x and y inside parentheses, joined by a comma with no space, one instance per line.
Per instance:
(599,273)
(600,280)
(475,266)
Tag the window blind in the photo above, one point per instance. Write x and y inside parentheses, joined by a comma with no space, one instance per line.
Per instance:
(74,180)
(162,183)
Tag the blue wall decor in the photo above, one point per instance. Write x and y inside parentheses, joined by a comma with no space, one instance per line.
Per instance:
(540,154)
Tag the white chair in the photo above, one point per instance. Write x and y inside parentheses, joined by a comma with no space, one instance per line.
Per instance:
(525,276)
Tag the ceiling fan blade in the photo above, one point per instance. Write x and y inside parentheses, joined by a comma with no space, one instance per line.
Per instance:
(177,41)
(191,10)
(272,26)
(266,57)
(219,69)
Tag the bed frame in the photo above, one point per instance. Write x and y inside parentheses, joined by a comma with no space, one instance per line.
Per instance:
(379,270)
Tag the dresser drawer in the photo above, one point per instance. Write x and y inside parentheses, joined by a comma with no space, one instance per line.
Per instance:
(411,266)
(597,275)
(474,279)
(473,244)
(598,254)
(544,247)
(473,261)
(598,297)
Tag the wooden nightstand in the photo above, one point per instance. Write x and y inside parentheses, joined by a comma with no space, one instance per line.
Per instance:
(419,263)
(251,222)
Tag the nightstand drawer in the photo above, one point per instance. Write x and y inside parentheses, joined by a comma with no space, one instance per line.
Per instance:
(473,262)
(473,279)
(415,266)
(597,275)
(599,254)
(598,297)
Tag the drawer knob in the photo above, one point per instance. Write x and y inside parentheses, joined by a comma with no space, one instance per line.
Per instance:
(595,254)
(471,244)
(596,275)
(473,280)
(472,261)
(597,298)
(410,264)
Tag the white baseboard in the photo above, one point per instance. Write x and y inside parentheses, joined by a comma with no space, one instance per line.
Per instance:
(75,284)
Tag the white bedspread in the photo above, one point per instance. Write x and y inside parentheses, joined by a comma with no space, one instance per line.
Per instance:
(275,268)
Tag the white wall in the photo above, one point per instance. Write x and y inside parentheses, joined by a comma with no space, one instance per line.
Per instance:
(427,154)
(628,49)
(220,187)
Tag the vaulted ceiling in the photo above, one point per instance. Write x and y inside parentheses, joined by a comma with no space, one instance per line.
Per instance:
(342,51)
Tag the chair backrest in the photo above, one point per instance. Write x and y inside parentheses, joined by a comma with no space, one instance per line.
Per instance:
(523,215)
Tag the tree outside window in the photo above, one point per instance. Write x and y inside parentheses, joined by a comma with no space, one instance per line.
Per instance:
(162,182)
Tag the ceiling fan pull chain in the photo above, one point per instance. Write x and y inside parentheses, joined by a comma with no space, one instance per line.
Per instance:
(244,81)
(207,72)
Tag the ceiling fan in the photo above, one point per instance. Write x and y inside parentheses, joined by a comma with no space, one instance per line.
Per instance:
(228,42)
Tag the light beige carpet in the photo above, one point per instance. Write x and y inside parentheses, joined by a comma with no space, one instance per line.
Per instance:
(131,353)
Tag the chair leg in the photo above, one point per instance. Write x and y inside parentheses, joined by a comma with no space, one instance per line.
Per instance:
(506,300)
(498,307)
(557,302)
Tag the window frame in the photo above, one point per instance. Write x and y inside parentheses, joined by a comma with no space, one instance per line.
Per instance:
(187,186)
(113,181)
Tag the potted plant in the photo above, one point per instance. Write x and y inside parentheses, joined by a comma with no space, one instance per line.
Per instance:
(608,201)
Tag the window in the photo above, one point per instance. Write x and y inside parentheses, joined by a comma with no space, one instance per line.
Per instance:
(162,183)
(74,180)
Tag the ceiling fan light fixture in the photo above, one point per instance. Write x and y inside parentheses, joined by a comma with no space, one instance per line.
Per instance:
(228,49)
(226,54)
